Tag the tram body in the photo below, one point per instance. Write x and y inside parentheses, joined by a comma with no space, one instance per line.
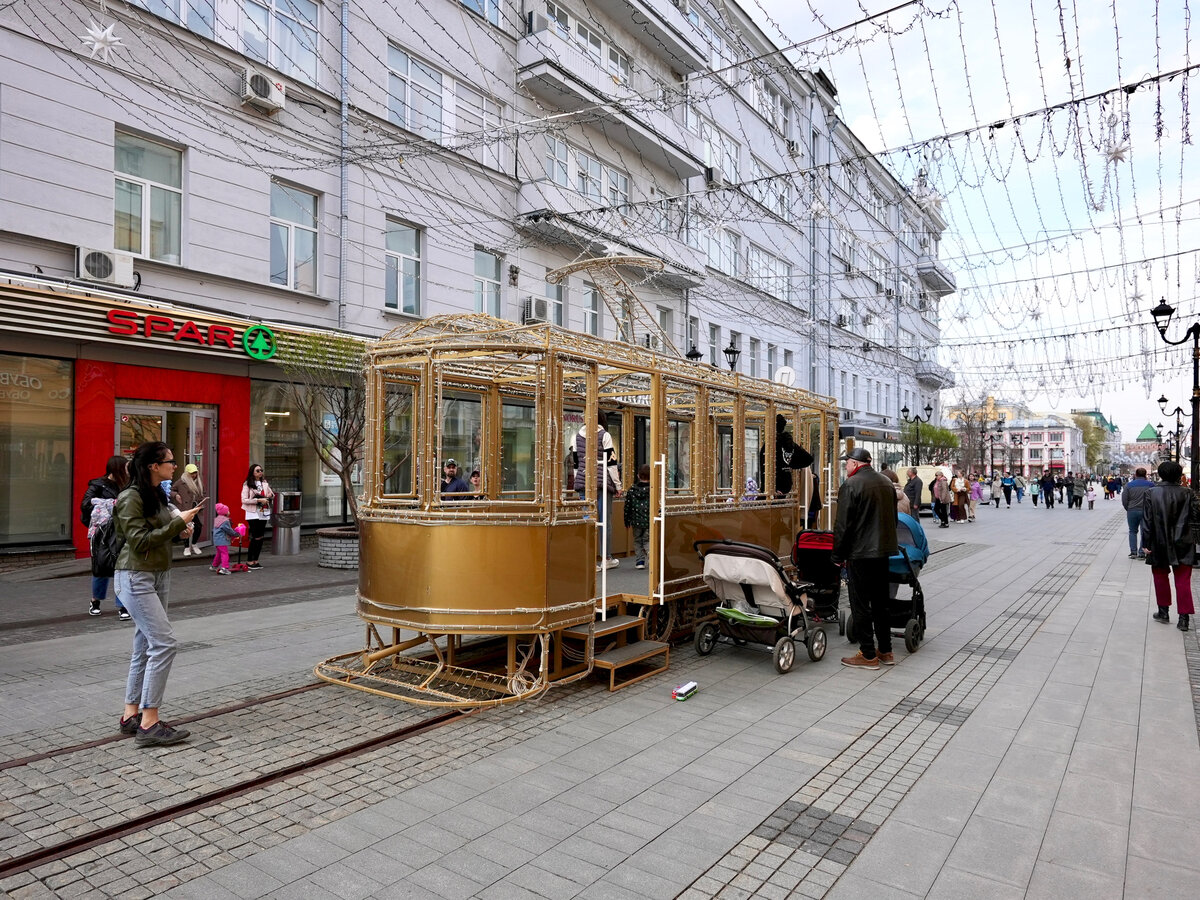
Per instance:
(516,560)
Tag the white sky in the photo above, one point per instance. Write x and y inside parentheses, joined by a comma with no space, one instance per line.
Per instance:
(1048,235)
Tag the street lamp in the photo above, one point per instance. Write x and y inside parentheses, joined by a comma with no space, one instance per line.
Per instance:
(917,420)
(731,354)
(1178,413)
(1018,441)
(694,355)
(991,441)
(1162,321)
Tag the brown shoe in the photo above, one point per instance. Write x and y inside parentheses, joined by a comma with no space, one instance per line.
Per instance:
(858,661)
(886,659)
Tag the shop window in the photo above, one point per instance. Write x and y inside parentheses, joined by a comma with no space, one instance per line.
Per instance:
(293,238)
(36,504)
(403,268)
(148,198)
(397,463)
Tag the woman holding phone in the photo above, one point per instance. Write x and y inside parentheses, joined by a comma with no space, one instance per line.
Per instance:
(147,524)
(256,505)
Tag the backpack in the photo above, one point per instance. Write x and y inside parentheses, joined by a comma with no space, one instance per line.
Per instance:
(106,547)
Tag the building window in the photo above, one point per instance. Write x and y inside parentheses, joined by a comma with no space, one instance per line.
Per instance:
(557,161)
(489,9)
(476,120)
(665,324)
(1035,453)
(724,251)
(771,360)
(555,294)
(735,340)
(591,309)
(487,283)
(770,104)
(754,348)
(403,263)
(194,15)
(787,358)
(282,34)
(1056,437)
(414,95)
(714,341)
(693,333)
(148,200)
(589,177)
(293,238)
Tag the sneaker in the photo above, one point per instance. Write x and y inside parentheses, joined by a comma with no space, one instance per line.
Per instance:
(130,725)
(95,608)
(1133,556)
(160,734)
(253,567)
(187,551)
(640,564)
(858,661)
(123,614)
(611,563)
(887,659)
(222,571)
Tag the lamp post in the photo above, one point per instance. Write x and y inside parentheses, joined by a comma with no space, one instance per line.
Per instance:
(917,420)
(731,355)
(1162,320)
(991,441)
(1178,413)
(1018,441)
(694,355)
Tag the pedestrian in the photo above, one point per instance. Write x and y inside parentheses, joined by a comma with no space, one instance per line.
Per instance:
(975,496)
(1007,484)
(912,489)
(147,524)
(187,492)
(902,502)
(1060,485)
(1131,498)
(106,487)
(864,536)
(960,492)
(788,456)
(1035,488)
(222,536)
(997,488)
(940,491)
(256,505)
(608,481)
(637,515)
(1090,493)
(1048,487)
(1170,508)
(1019,485)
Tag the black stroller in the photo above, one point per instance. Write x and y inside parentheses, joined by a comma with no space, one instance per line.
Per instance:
(904,569)
(759,604)
(812,555)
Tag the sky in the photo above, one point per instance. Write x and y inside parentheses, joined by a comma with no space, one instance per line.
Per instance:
(1072,205)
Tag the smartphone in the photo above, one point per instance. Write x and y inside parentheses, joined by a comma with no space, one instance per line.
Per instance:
(200,505)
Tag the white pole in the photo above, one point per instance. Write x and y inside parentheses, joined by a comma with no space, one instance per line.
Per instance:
(603,512)
(661,519)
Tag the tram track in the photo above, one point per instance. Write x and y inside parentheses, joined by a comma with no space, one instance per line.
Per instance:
(79,843)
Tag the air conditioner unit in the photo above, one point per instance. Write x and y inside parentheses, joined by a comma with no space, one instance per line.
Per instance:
(714,177)
(261,90)
(536,22)
(104,266)
(537,309)
(842,321)
(793,147)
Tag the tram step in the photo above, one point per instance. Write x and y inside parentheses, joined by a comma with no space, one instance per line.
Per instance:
(611,625)
(631,654)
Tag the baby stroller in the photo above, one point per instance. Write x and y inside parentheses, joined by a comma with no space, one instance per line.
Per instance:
(904,568)
(759,604)
(812,555)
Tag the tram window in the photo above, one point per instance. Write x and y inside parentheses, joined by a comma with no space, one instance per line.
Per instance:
(462,430)
(752,463)
(724,481)
(641,442)
(518,439)
(679,457)
(397,459)
(615,427)
(572,420)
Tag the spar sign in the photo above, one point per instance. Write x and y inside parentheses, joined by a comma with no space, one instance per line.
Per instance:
(257,341)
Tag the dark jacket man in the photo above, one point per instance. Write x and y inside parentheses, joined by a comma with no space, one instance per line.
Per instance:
(1166,525)
(912,490)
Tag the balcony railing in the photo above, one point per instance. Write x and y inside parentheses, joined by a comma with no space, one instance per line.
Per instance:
(932,373)
(935,277)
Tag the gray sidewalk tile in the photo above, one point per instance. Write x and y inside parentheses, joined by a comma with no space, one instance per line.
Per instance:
(1163,836)
(345,880)
(1094,797)
(955,884)
(1080,843)
(1053,882)
(904,856)
(997,850)
(1014,802)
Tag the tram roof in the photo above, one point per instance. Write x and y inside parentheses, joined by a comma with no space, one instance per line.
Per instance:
(451,334)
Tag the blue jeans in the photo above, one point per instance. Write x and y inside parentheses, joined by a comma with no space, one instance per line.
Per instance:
(603,514)
(1133,517)
(100,591)
(154,642)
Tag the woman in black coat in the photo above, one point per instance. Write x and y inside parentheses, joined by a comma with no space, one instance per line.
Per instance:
(106,487)
(1169,509)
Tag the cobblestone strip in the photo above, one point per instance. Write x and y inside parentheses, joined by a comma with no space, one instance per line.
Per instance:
(1191,649)
(811,839)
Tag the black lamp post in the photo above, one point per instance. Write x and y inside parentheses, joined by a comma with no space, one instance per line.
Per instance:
(992,439)
(731,355)
(694,355)
(1018,441)
(917,420)
(1178,413)
(1162,320)
(982,444)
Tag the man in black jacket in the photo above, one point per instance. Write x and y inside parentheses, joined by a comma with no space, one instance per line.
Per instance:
(864,536)
(912,489)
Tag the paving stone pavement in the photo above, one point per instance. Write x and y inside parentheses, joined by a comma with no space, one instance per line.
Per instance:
(1043,739)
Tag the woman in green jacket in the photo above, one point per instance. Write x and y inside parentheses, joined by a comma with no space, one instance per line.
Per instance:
(147,524)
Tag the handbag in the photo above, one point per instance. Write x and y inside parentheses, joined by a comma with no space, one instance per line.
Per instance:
(106,546)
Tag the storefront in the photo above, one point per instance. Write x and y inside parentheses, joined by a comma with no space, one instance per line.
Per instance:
(86,374)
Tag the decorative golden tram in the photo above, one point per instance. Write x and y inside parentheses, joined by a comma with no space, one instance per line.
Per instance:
(494,595)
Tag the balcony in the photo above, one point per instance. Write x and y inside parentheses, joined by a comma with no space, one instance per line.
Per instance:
(562,215)
(935,277)
(558,71)
(934,374)
(668,33)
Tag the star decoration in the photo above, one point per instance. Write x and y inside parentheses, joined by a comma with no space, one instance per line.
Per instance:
(1117,152)
(100,40)
(818,209)
(931,202)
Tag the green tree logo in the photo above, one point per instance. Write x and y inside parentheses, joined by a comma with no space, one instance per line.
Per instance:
(259,342)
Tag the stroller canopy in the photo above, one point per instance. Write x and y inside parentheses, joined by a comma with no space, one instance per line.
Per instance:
(911,537)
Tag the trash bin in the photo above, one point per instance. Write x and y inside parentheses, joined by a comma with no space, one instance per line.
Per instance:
(285,538)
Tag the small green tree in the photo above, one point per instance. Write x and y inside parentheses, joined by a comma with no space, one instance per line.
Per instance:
(937,445)
(1093,439)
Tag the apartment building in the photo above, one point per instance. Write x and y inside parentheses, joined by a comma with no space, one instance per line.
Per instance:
(226,169)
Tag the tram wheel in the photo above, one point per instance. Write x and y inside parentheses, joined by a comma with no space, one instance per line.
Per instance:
(912,635)
(816,644)
(785,655)
(660,621)
(706,638)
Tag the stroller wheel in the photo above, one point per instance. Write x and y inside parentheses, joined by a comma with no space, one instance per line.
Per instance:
(816,644)
(785,655)
(706,638)
(912,635)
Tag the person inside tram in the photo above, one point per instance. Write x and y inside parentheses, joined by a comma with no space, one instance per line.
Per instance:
(788,456)
(452,482)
